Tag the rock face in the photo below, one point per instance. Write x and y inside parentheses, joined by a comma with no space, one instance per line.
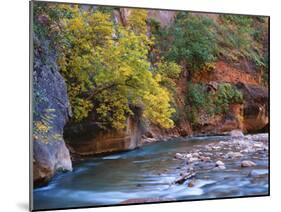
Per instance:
(153,131)
(249,117)
(255,114)
(252,115)
(163,17)
(225,72)
(51,110)
(87,138)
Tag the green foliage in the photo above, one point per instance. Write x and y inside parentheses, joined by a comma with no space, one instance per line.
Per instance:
(167,72)
(162,38)
(107,71)
(137,21)
(227,94)
(110,68)
(199,100)
(46,21)
(193,41)
(240,37)
(42,126)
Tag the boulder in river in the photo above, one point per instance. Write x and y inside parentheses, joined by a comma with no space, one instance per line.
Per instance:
(233,155)
(220,168)
(247,163)
(196,155)
(205,158)
(179,156)
(220,165)
(191,160)
(236,133)
(258,173)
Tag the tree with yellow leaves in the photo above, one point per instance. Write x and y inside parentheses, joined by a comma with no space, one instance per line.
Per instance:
(106,68)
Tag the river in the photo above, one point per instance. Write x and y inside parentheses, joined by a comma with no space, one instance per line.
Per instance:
(151,171)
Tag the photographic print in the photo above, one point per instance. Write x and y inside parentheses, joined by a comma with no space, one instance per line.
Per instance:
(139,105)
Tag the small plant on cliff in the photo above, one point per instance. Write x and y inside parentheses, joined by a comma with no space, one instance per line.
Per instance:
(42,125)
(227,94)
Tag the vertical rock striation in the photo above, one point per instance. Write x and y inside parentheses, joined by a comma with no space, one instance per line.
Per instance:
(51,110)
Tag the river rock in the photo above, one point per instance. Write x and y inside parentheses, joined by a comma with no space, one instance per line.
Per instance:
(205,158)
(219,163)
(223,143)
(258,173)
(220,168)
(179,156)
(258,145)
(258,137)
(149,140)
(191,160)
(233,155)
(236,133)
(195,155)
(216,148)
(244,151)
(247,163)
(208,148)
(208,154)
(188,156)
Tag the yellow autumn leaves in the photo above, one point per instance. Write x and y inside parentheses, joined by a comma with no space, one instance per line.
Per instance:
(107,70)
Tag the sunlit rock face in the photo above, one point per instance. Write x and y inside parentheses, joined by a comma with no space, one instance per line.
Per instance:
(51,110)
(88,138)
(252,115)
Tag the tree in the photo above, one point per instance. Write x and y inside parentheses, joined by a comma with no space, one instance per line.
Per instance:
(107,70)
(193,41)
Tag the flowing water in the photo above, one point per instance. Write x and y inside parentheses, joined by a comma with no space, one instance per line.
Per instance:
(150,172)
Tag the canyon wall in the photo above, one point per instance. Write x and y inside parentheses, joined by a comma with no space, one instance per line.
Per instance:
(51,111)
(88,138)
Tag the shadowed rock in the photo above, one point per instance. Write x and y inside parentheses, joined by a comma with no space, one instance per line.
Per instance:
(51,107)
